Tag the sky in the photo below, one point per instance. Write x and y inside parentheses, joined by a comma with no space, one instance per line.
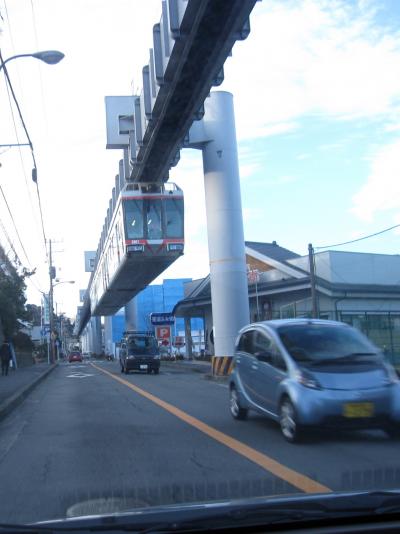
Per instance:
(316,90)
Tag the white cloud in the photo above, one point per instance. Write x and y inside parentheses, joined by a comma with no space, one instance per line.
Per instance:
(304,155)
(303,58)
(323,58)
(381,192)
(193,264)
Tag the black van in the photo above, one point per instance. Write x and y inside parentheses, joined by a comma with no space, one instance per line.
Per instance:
(139,352)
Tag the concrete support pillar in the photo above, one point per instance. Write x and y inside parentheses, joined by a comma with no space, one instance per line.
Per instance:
(88,337)
(188,339)
(108,342)
(131,315)
(84,340)
(229,290)
(95,335)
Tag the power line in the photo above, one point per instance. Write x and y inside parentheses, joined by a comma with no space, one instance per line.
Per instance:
(38,65)
(16,257)
(15,226)
(12,112)
(20,154)
(34,171)
(11,244)
(18,109)
(41,218)
(360,238)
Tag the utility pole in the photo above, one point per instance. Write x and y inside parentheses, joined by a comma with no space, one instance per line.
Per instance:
(52,276)
(312,281)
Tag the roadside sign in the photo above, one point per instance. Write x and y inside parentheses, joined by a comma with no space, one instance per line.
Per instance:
(162,319)
(163,332)
(179,341)
(45,330)
(253,276)
(46,310)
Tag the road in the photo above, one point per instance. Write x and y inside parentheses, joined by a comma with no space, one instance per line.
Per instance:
(90,440)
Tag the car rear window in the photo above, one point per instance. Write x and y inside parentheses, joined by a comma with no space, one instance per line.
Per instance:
(142,345)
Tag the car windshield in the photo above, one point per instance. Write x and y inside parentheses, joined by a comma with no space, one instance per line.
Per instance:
(316,342)
(199,257)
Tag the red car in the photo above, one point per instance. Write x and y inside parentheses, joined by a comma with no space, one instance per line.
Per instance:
(75,357)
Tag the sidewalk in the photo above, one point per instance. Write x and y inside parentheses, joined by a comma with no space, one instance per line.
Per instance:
(19,383)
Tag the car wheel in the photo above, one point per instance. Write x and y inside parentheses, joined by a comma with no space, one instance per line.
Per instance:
(236,410)
(288,421)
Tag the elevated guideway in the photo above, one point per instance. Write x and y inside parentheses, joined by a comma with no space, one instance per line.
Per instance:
(190,45)
(190,48)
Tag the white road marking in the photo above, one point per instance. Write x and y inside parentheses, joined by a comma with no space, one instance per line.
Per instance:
(79,375)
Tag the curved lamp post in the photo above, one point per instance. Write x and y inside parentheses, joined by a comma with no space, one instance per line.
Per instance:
(58,282)
(51,57)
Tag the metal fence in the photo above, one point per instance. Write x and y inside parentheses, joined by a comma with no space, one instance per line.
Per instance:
(382,328)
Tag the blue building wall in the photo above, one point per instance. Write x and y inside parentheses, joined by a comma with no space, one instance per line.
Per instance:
(153,299)
(162,298)
(118,326)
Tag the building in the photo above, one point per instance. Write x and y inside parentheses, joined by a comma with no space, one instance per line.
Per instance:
(157,298)
(361,289)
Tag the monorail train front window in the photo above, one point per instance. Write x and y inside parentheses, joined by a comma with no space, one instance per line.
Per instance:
(153,219)
(174,217)
(134,219)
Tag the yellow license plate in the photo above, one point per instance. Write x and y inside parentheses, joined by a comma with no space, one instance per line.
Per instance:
(358,409)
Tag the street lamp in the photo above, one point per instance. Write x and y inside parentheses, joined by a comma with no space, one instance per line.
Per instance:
(58,282)
(51,57)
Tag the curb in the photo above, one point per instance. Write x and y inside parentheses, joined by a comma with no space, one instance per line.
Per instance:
(217,378)
(8,405)
(187,367)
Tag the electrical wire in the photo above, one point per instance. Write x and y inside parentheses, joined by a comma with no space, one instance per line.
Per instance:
(40,70)
(30,145)
(12,112)
(359,239)
(20,154)
(15,226)
(18,109)
(11,244)
(16,257)
(41,219)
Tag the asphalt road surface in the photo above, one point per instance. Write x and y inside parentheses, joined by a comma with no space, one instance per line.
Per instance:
(90,440)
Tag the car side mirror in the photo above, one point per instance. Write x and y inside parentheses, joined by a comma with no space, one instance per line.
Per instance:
(264,356)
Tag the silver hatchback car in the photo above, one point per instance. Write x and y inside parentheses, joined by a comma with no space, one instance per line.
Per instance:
(307,373)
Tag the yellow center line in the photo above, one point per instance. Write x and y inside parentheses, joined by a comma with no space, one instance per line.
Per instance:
(294,478)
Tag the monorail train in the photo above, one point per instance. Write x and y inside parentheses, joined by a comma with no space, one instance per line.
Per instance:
(144,237)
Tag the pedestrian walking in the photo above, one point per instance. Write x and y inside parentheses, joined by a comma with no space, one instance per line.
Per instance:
(5,356)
